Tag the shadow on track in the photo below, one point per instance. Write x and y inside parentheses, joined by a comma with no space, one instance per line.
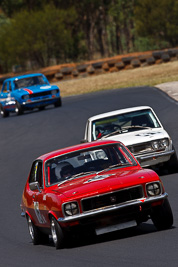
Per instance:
(88,239)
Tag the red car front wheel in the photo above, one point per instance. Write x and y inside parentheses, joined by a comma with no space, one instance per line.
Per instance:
(57,234)
(162,216)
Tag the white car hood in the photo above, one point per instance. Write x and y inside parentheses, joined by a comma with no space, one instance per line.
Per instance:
(138,137)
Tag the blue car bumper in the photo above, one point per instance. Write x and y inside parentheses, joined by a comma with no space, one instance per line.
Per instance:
(9,105)
(30,103)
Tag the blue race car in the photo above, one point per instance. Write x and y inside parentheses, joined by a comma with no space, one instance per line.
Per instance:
(27,92)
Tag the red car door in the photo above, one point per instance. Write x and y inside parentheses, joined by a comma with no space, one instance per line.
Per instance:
(38,211)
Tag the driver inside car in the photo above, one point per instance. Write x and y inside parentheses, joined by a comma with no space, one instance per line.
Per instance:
(63,170)
(67,171)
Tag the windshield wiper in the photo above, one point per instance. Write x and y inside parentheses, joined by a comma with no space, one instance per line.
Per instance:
(75,176)
(110,134)
(114,166)
(64,181)
(124,128)
(136,126)
(82,173)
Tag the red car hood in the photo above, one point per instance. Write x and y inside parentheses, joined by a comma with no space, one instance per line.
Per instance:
(105,182)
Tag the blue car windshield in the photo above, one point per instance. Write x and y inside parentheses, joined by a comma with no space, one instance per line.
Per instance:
(29,81)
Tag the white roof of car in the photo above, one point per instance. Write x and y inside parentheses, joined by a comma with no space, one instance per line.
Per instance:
(117,112)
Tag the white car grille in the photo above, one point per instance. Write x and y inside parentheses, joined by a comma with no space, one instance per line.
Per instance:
(145,148)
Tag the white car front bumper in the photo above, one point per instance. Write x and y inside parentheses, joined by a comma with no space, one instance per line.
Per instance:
(154,158)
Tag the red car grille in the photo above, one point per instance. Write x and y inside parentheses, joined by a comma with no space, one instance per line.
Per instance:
(113,198)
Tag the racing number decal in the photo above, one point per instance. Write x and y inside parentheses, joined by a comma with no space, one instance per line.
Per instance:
(40,217)
(147,134)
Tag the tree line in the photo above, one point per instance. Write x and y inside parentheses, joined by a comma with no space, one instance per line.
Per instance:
(38,33)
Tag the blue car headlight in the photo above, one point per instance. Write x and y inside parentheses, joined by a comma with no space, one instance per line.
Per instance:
(54,92)
(25,97)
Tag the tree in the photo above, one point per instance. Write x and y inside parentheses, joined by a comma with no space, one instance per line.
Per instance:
(122,14)
(38,30)
(157,19)
(9,7)
(91,20)
(29,38)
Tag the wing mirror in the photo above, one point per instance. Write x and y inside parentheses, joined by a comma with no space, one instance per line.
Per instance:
(83,141)
(35,186)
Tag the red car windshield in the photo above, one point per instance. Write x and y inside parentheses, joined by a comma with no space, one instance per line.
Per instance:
(86,161)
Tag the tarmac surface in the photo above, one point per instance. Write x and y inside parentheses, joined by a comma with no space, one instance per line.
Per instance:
(24,138)
(170,88)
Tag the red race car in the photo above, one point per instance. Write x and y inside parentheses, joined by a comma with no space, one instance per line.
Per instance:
(97,187)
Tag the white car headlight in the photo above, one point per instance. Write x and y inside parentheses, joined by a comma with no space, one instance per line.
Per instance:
(153,189)
(71,208)
(160,144)
(164,143)
(155,145)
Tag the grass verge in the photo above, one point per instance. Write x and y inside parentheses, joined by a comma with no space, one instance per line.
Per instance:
(150,75)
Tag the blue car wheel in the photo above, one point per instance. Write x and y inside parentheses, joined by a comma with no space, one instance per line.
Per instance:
(4,113)
(18,108)
(58,103)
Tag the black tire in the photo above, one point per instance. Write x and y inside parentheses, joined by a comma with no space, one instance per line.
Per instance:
(58,103)
(4,113)
(57,234)
(36,235)
(172,165)
(162,216)
(18,108)
(41,108)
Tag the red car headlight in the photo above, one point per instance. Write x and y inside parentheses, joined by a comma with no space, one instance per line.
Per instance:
(153,189)
(71,208)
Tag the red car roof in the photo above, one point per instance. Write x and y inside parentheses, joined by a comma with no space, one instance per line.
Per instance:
(75,148)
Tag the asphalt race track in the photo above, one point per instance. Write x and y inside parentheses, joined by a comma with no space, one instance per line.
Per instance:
(25,137)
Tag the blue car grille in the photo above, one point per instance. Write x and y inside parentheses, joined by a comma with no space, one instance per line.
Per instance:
(113,198)
(40,94)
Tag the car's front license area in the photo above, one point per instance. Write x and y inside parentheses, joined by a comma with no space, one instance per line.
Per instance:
(44,97)
(114,210)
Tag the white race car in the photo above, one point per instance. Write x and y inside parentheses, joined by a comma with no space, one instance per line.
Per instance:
(140,130)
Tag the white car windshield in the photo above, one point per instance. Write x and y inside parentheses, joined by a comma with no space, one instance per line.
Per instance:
(123,123)
(84,162)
